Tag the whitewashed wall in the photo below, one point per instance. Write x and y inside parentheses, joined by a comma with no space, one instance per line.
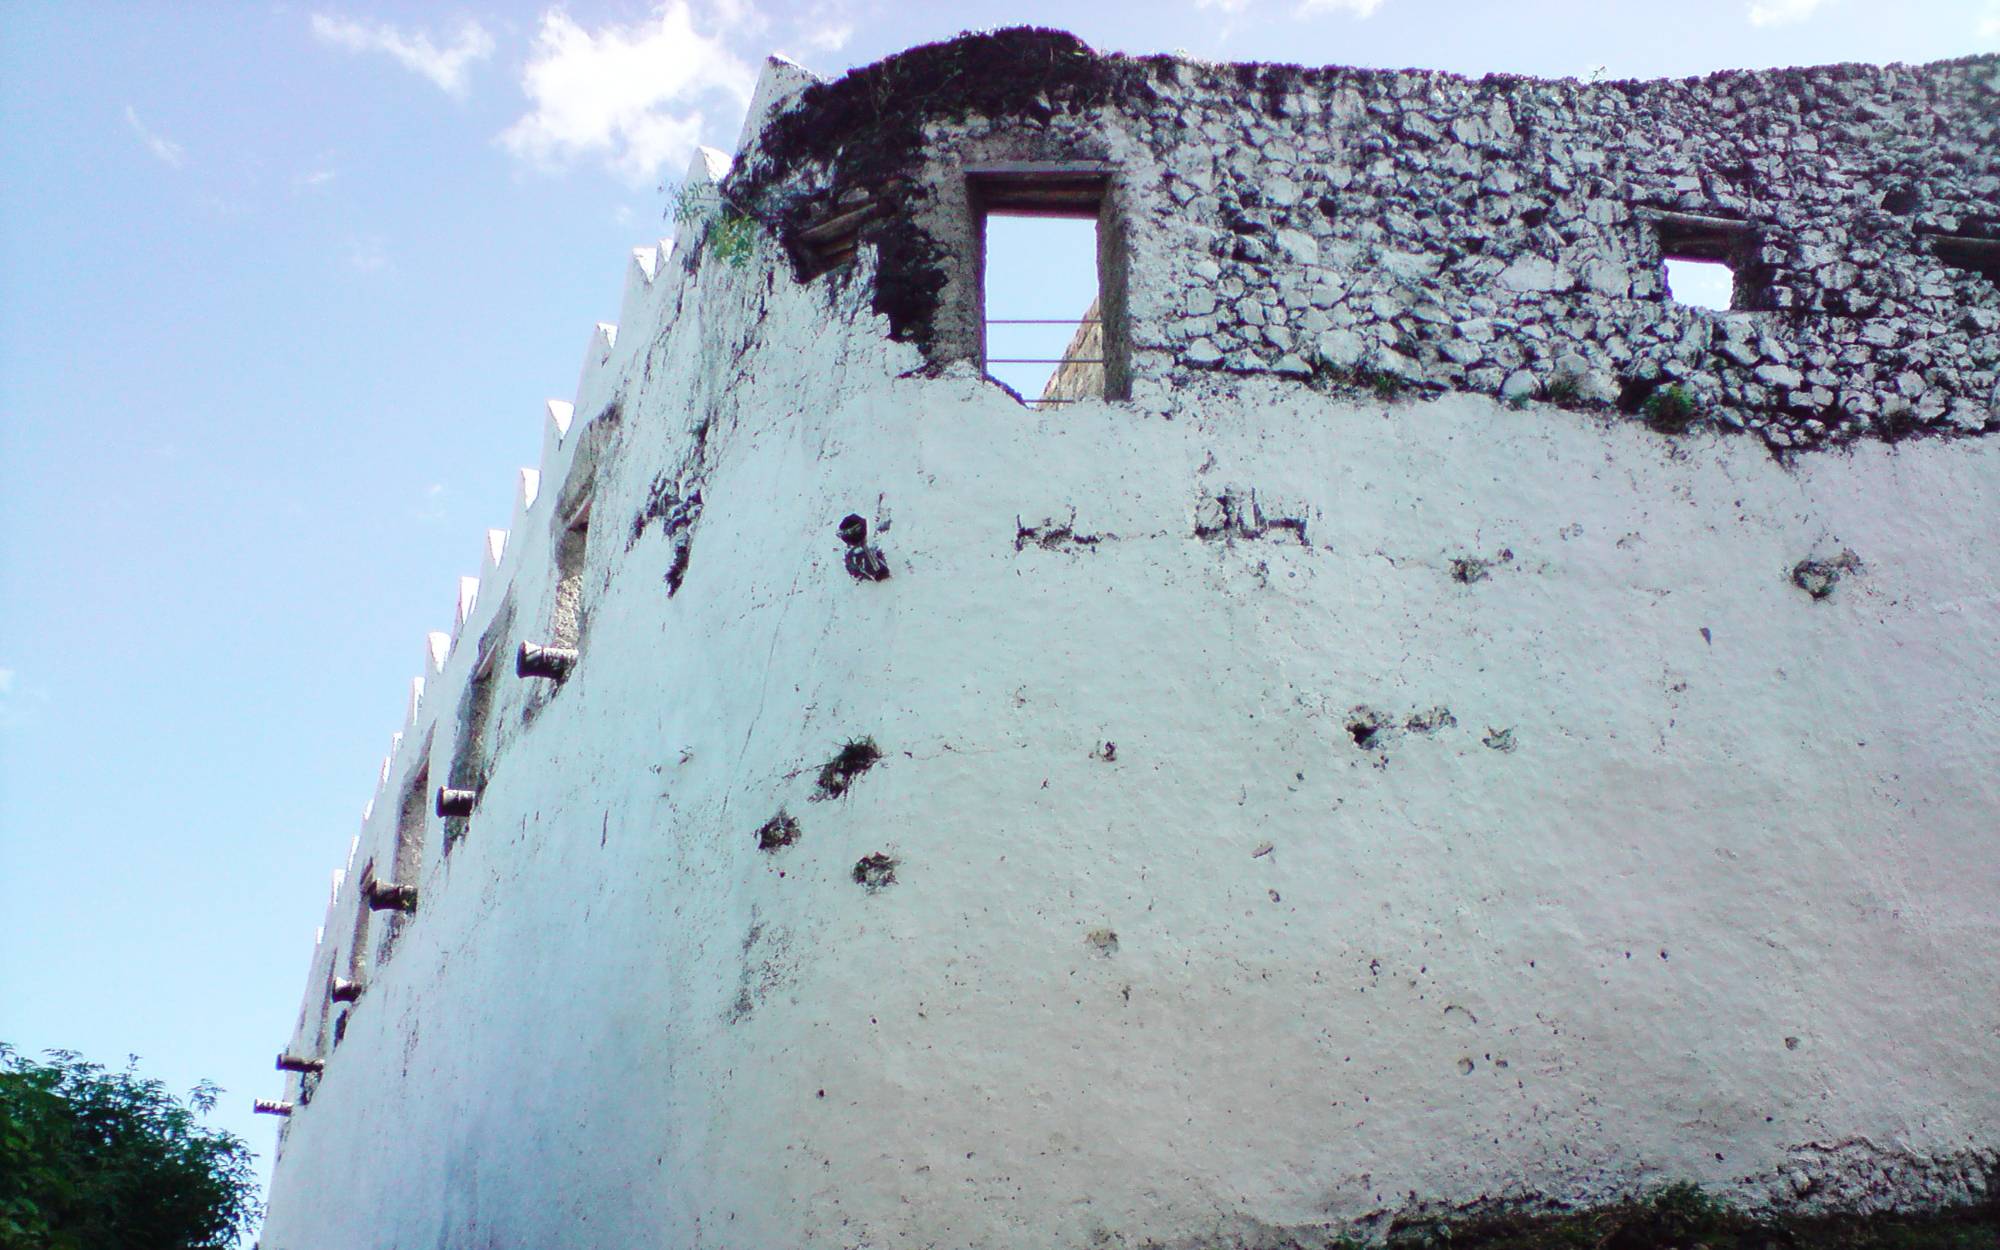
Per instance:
(1695,881)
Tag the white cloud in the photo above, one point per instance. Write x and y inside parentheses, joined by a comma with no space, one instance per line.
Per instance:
(160,146)
(366,255)
(629,95)
(314,178)
(18,713)
(1989,21)
(829,36)
(1226,6)
(1359,8)
(825,26)
(1781,12)
(448,67)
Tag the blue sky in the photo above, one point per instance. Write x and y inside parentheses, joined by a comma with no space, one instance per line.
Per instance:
(282,290)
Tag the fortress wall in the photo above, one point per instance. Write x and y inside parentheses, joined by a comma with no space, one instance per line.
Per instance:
(1298,802)
(1487,235)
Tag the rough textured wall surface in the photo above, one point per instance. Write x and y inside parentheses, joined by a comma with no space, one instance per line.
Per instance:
(1497,235)
(1245,814)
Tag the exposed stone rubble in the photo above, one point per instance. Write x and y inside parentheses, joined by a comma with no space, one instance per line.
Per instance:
(1498,235)
(1081,373)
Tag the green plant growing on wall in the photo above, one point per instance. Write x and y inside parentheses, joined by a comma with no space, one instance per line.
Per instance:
(1362,375)
(1326,374)
(1898,422)
(1671,409)
(728,231)
(1379,382)
(1563,389)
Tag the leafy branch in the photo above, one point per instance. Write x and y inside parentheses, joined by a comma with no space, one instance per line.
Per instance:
(729,230)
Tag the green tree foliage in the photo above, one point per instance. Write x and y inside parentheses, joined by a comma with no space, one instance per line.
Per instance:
(728,231)
(92,1159)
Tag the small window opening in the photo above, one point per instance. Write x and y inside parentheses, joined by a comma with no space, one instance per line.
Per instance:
(566,621)
(471,754)
(1702,283)
(1051,292)
(1044,328)
(322,1038)
(411,817)
(1710,262)
(357,950)
(410,826)
(1980,256)
(553,655)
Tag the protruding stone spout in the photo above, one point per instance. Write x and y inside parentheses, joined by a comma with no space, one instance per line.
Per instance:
(265,1106)
(346,991)
(535,660)
(299,1063)
(391,896)
(452,802)
(864,562)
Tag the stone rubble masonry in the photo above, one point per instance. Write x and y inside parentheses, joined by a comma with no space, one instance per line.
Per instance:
(1456,233)
(1332,786)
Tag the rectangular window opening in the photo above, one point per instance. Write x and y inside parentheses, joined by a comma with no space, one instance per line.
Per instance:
(1051,283)
(471,752)
(412,816)
(1709,262)
(1702,283)
(322,1036)
(411,820)
(566,620)
(357,950)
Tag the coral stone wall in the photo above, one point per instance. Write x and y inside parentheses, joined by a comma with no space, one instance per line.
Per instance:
(1493,235)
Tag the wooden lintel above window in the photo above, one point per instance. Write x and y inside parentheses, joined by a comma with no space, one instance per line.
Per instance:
(1981,256)
(1038,188)
(1693,236)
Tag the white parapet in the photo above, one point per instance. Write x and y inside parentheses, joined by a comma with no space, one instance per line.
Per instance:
(779,86)
(603,346)
(389,760)
(528,490)
(468,596)
(707,169)
(639,277)
(437,649)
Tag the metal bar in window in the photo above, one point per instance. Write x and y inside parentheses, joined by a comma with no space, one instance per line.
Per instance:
(1044,321)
